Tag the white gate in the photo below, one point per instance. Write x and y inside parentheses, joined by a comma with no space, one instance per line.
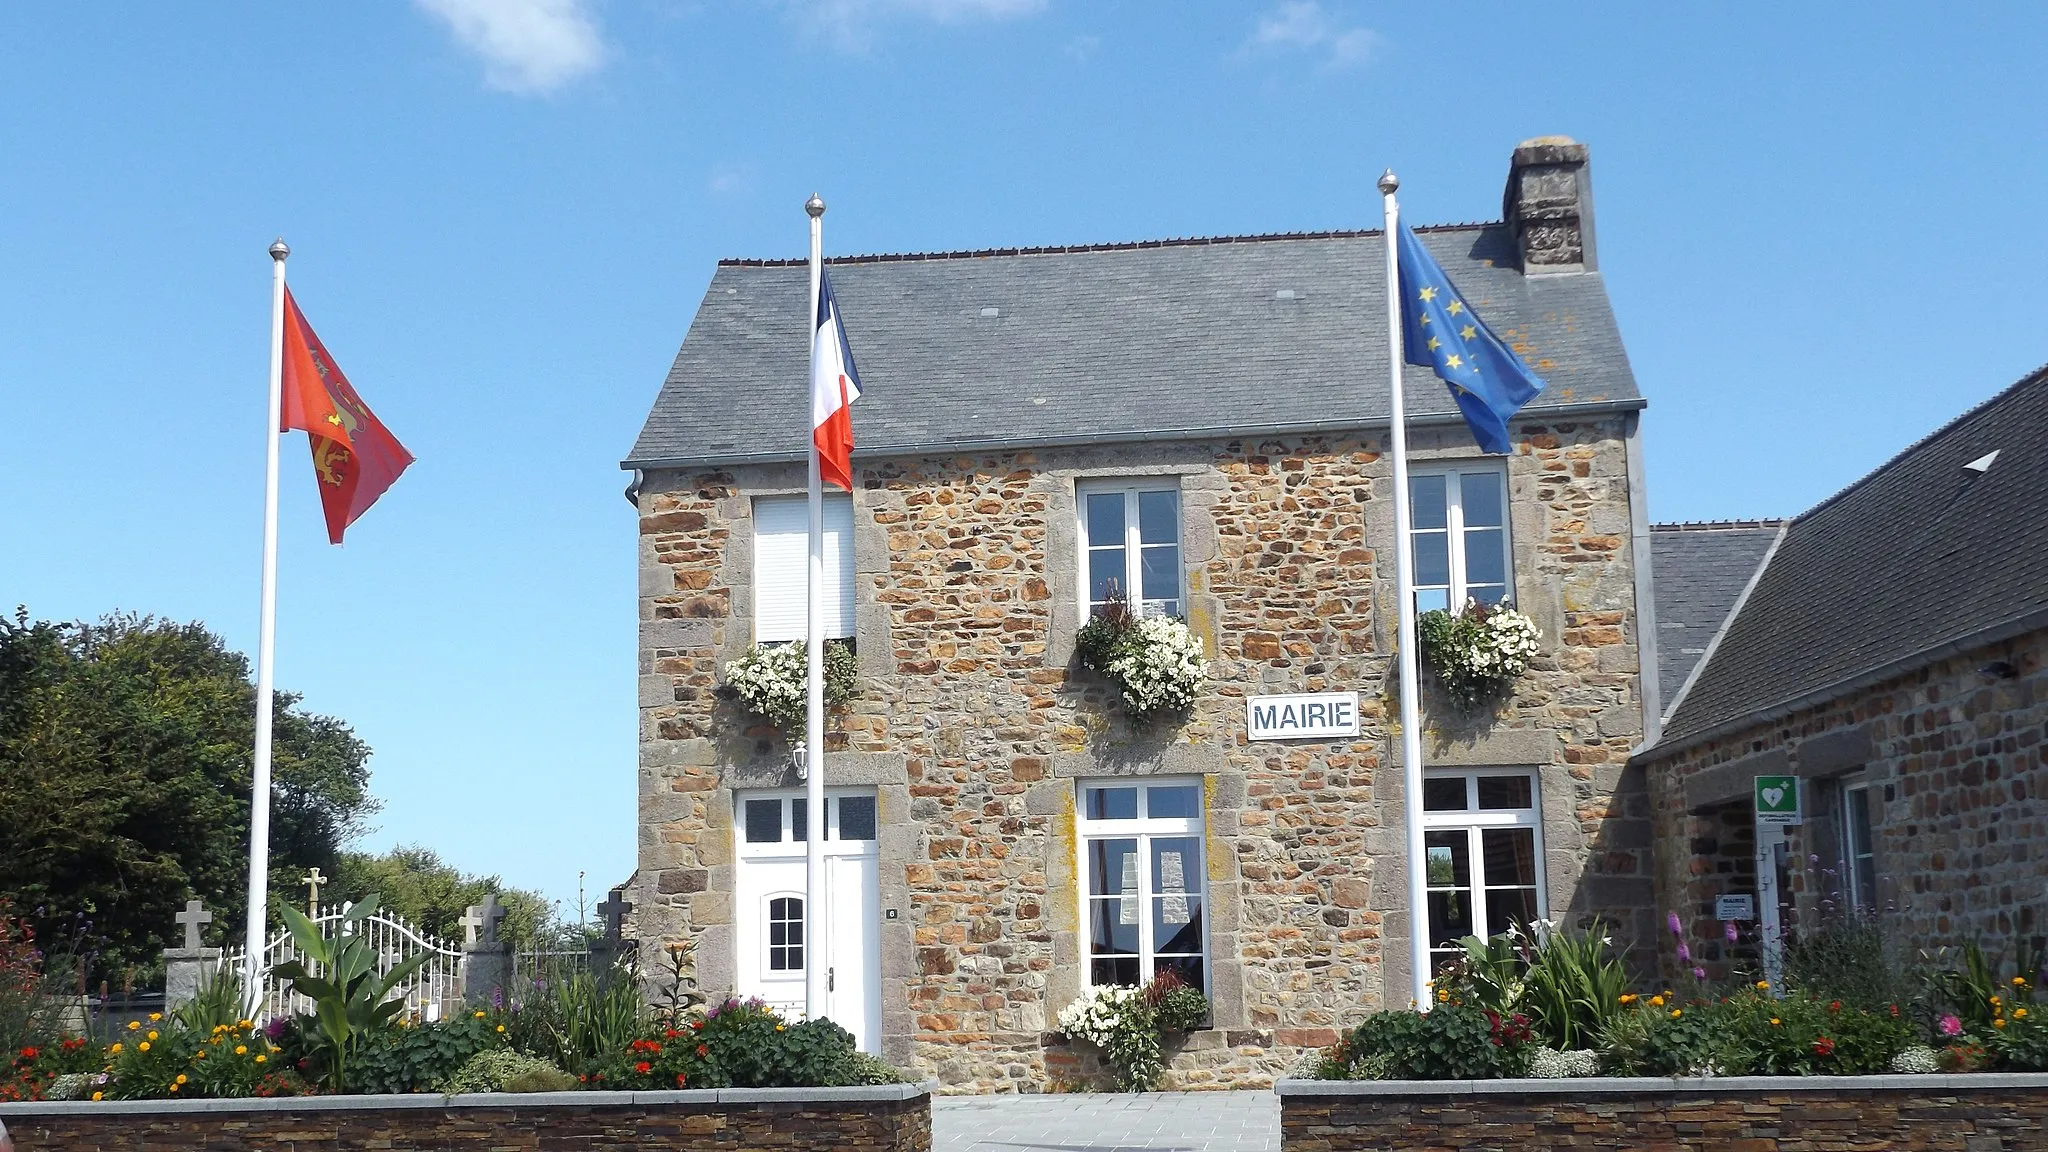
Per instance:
(431,991)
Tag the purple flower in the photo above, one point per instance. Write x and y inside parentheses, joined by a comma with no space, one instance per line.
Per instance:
(497,999)
(1950,1026)
(1672,922)
(1684,953)
(274,1029)
(1699,973)
(1729,931)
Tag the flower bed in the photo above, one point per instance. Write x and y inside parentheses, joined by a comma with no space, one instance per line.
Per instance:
(895,1118)
(1756,1114)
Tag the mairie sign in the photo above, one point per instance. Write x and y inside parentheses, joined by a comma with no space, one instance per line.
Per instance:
(1304,716)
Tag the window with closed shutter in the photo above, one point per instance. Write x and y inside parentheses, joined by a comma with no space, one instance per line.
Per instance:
(782,554)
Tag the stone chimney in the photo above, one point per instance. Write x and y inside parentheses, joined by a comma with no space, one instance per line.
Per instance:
(1548,206)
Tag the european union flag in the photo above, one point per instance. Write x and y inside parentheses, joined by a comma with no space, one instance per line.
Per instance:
(1440,331)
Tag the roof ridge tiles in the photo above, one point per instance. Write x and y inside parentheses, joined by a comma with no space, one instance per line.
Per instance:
(1078,249)
(1718,525)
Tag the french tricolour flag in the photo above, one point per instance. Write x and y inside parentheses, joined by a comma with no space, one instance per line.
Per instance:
(835,385)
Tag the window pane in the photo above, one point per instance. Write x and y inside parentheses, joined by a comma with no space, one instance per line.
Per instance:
(1159,518)
(1510,855)
(856,817)
(1105,519)
(1113,868)
(1431,599)
(1505,792)
(1443,794)
(799,821)
(1160,567)
(1173,802)
(764,821)
(1448,865)
(786,934)
(1485,562)
(1487,594)
(1113,804)
(1188,968)
(1176,864)
(1426,501)
(1508,907)
(1863,852)
(1177,924)
(1112,927)
(1450,916)
(1106,574)
(1121,970)
(1432,558)
(1479,498)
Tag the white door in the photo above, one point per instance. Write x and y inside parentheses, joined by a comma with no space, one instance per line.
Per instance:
(768,910)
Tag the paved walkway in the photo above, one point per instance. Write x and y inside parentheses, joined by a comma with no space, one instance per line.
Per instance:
(1108,1122)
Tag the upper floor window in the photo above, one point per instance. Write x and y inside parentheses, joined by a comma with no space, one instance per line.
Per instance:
(1142,875)
(1460,537)
(782,559)
(1483,849)
(1130,544)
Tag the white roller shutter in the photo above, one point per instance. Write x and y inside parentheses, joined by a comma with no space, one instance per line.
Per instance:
(782,549)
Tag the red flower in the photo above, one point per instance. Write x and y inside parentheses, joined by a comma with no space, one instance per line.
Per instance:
(643,1067)
(703,1050)
(1834,1005)
(679,1079)
(670,1034)
(1895,1011)
(1823,1047)
(29,1053)
(696,1024)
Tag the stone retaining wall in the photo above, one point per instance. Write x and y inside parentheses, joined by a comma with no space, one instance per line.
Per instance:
(1975,1113)
(892,1118)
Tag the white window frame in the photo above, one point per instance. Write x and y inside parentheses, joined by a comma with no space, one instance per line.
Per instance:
(1853,848)
(1453,475)
(1475,820)
(789,845)
(1143,830)
(782,559)
(1133,583)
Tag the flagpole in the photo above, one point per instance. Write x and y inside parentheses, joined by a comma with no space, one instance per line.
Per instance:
(266,635)
(1404,586)
(816,979)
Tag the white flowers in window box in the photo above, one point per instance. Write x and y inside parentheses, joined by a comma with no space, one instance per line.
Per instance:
(771,680)
(1478,653)
(1156,662)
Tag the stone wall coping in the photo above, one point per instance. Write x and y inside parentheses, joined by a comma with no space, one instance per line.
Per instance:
(721,1097)
(1650,1085)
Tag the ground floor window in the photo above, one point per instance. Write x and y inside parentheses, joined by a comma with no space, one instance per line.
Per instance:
(1142,878)
(1483,848)
(1858,849)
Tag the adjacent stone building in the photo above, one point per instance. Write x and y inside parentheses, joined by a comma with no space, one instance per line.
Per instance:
(1204,422)
(1886,648)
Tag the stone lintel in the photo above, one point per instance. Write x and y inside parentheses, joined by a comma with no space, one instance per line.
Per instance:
(1140,760)
(1732,781)
(1834,753)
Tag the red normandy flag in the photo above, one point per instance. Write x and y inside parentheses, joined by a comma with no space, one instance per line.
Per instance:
(355,458)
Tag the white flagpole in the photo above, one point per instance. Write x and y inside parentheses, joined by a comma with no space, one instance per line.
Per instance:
(266,635)
(816,980)
(1404,586)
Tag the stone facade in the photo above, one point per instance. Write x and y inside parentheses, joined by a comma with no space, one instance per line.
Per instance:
(1956,753)
(973,722)
(890,1119)
(1981,1113)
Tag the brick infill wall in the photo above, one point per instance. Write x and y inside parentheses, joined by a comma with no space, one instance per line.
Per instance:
(1974,1113)
(890,1118)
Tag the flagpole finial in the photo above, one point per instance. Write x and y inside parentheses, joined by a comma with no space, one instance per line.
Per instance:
(814,206)
(280,250)
(1389,182)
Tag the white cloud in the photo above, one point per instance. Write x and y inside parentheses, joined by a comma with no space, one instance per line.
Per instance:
(527,45)
(851,24)
(1306,26)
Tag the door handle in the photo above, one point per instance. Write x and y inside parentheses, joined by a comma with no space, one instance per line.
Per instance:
(831,975)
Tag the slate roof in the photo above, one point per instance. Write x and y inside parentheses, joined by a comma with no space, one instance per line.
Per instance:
(1170,338)
(1698,571)
(1920,554)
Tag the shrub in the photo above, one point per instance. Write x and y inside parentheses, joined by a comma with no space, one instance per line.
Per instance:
(738,1044)
(499,1069)
(1754,1034)
(1569,984)
(1915,1060)
(421,1057)
(1845,959)
(772,680)
(1551,1064)
(1451,1042)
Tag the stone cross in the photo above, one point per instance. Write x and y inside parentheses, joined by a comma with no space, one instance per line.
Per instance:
(480,921)
(313,880)
(614,911)
(193,917)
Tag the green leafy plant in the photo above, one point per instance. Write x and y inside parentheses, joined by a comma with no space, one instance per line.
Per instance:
(1477,653)
(1573,987)
(1844,958)
(738,1044)
(420,1057)
(595,1017)
(506,1070)
(1450,1042)
(1156,662)
(219,1002)
(351,1000)
(772,680)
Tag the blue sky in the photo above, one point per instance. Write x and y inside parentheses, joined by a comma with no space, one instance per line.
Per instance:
(1820,225)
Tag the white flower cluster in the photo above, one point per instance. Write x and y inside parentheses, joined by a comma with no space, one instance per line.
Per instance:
(1916,1060)
(773,681)
(1097,1014)
(1479,651)
(1161,667)
(1511,639)
(1551,1064)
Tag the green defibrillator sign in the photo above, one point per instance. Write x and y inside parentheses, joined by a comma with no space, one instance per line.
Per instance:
(1777,800)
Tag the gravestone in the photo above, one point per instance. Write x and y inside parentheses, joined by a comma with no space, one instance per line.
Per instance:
(187,969)
(607,950)
(486,959)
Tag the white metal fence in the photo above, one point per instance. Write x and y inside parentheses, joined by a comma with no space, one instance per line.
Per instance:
(432,991)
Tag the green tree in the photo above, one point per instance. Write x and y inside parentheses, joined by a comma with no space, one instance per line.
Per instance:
(126,750)
(432,894)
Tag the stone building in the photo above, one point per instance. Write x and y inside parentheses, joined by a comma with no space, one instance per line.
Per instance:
(1886,648)
(1203,421)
